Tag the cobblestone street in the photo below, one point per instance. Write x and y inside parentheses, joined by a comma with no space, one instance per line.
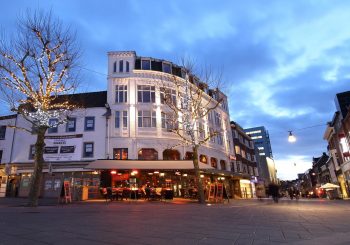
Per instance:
(239,222)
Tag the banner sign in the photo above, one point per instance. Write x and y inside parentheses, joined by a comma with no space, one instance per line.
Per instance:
(63,148)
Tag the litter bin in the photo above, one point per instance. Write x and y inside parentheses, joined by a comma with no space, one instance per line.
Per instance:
(84,193)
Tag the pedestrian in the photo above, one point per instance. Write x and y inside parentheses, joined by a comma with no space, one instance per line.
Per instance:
(274,191)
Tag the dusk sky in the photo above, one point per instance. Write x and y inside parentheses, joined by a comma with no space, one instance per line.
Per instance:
(282,61)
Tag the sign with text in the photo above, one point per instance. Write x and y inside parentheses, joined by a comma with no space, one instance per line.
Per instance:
(63,148)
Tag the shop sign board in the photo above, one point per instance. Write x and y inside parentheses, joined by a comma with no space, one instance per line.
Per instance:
(63,148)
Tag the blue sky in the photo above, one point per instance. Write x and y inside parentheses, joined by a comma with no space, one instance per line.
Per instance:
(282,61)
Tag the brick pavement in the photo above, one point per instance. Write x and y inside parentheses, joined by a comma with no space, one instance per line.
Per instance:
(239,222)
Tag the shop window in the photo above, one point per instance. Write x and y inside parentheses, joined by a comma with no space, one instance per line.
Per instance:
(89,123)
(120,153)
(189,155)
(88,149)
(31,152)
(214,162)
(222,165)
(147,154)
(2,132)
(71,124)
(146,94)
(169,154)
(203,159)
(121,94)
(53,122)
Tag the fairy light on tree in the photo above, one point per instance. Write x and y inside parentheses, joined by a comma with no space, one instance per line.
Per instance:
(190,111)
(37,71)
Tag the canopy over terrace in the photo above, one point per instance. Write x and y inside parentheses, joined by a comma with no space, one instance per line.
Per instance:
(145,164)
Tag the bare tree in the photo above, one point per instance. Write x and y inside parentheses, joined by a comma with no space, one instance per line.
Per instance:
(37,67)
(186,117)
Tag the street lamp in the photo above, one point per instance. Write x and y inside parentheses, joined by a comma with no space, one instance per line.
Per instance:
(291,137)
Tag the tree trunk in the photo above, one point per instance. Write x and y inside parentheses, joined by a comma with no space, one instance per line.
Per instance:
(201,197)
(38,168)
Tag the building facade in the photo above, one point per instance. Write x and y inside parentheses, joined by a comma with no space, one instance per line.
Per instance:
(245,162)
(128,122)
(263,154)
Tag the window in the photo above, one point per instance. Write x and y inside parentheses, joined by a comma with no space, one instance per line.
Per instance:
(222,165)
(120,66)
(210,117)
(120,153)
(121,94)
(168,96)
(53,122)
(127,66)
(31,152)
(256,137)
(146,94)
(125,119)
(238,164)
(115,66)
(71,124)
(145,64)
(147,119)
(2,132)
(147,154)
(201,130)
(220,139)
(88,149)
(0,156)
(168,121)
(117,119)
(213,162)
(237,149)
(212,136)
(203,159)
(89,123)
(166,68)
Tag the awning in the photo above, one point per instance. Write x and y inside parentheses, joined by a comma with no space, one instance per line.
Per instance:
(143,164)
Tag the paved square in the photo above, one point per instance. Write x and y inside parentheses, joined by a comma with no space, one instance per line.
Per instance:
(239,222)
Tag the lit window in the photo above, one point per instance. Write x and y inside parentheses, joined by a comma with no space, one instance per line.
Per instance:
(262,154)
(120,153)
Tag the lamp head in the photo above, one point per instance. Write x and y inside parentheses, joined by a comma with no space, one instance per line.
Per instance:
(291,137)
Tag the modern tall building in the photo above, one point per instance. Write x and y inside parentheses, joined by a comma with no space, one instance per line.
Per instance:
(263,153)
(261,139)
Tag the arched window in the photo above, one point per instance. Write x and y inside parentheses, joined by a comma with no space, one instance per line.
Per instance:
(115,66)
(189,155)
(223,165)
(147,154)
(203,159)
(213,162)
(169,154)
(126,66)
(120,66)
